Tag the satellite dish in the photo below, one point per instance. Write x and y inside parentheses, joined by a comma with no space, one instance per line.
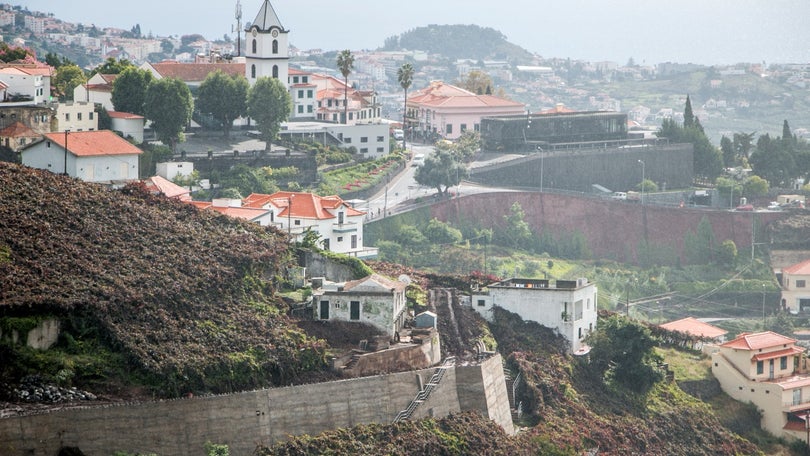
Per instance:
(404,279)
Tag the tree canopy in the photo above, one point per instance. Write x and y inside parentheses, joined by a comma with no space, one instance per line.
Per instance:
(68,77)
(224,97)
(129,90)
(112,66)
(440,171)
(269,104)
(623,350)
(345,64)
(168,104)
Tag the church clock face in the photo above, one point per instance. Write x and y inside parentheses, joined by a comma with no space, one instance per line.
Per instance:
(253,32)
(274,33)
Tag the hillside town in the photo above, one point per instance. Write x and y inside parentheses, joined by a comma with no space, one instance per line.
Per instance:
(237,246)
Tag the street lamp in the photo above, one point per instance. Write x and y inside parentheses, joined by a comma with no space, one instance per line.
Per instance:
(289,216)
(642,181)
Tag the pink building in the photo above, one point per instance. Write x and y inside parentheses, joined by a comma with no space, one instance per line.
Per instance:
(446,111)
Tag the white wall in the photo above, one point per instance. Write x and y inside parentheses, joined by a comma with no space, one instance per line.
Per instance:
(99,168)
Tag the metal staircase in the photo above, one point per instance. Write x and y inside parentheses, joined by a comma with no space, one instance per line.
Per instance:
(424,394)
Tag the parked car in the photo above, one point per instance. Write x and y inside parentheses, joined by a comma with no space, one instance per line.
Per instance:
(399,135)
(745,208)
(418,160)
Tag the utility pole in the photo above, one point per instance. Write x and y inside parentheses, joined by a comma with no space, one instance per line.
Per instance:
(66,151)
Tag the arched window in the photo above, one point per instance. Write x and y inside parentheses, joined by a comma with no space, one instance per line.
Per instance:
(275,46)
(253,71)
(275,71)
(253,46)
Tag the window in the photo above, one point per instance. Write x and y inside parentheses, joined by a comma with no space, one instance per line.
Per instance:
(347,140)
(449,129)
(295,79)
(253,71)
(79,116)
(305,79)
(253,46)
(324,310)
(797,396)
(300,94)
(380,138)
(363,150)
(275,71)
(309,93)
(354,310)
(477,127)
(381,149)
(275,46)
(354,241)
(340,239)
(783,362)
(351,116)
(463,128)
(481,303)
(760,367)
(297,223)
(300,109)
(67,116)
(800,284)
(309,109)
(91,115)
(364,139)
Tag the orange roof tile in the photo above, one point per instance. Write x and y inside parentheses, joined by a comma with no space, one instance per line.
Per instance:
(123,115)
(777,354)
(303,205)
(18,130)
(694,327)
(439,94)
(384,282)
(756,341)
(196,72)
(802,268)
(245,213)
(93,143)
(159,184)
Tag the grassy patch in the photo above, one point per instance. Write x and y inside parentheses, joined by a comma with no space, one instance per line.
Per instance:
(687,365)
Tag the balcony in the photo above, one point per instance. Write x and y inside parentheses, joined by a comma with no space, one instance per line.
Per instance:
(347,227)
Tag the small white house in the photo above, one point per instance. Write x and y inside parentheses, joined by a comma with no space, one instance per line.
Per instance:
(796,287)
(568,306)
(93,156)
(375,300)
(129,125)
(97,90)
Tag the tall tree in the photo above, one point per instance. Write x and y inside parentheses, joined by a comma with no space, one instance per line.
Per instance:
(743,143)
(623,351)
(345,64)
(727,149)
(68,77)
(269,104)
(688,116)
(112,66)
(707,159)
(129,90)
(405,79)
(168,104)
(224,97)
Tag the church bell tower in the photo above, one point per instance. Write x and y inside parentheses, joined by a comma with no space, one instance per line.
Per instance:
(267,47)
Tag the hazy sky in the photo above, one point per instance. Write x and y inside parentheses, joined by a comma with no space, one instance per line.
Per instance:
(649,31)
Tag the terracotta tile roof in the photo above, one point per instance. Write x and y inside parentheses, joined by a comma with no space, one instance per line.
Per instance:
(694,327)
(778,354)
(802,268)
(304,205)
(123,115)
(196,72)
(110,78)
(439,94)
(18,130)
(246,213)
(375,279)
(98,87)
(163,186)
(756,341)
(93,143)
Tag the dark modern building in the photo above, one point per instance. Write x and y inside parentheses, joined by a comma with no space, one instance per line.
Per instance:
(527,132)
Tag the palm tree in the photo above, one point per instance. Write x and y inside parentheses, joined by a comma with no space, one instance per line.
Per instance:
(405,78)
(345,63)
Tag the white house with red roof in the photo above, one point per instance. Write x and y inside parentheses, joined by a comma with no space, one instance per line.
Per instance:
(97,90)
(26,83)
(162,186)
(233,208)
(796,287)
(128,124)
(770,371)
(375,300)
(444,110)
(339,225)
(697,329)
(93,156)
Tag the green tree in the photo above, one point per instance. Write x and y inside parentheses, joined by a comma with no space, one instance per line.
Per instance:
(699,246)
(68,77)
(516,232)
(405,79)
(440,171)
(728,188)
(345,64)
(707,160)
(269,104)
(773,160)
(727,253)
(224,97)
(439,232)
(168,104)
(755,186)
(727,150)
(129,90)
(647,186)
(247,179)
(781,324)
(467,145)
(409,235)
(104,119)
(213,449)
(623,351)
(743,143)
(112,66)
(688,115)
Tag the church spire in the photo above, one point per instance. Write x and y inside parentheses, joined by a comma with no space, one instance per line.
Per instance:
(267,18)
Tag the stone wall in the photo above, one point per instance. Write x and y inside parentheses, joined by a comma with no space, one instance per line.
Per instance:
(320,266)
(243,420)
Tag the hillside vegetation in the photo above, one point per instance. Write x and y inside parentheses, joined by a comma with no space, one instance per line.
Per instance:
(188,297)
(459,42)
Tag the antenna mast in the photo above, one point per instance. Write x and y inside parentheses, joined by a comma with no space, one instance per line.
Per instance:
(238,28)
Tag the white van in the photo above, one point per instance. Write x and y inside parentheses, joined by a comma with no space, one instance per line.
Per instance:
(399,135)
(418,160)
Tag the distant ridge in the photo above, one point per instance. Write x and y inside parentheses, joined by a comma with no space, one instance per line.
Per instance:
(459,42)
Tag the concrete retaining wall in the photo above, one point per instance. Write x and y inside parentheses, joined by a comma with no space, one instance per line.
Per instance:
(243,420)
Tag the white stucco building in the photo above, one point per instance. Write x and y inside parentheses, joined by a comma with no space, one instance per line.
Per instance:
(568,306)
(770,371)
(97,90)
(796,287)
(93,156)
(267,46)
(76,116)
(372,140)
(375,300)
